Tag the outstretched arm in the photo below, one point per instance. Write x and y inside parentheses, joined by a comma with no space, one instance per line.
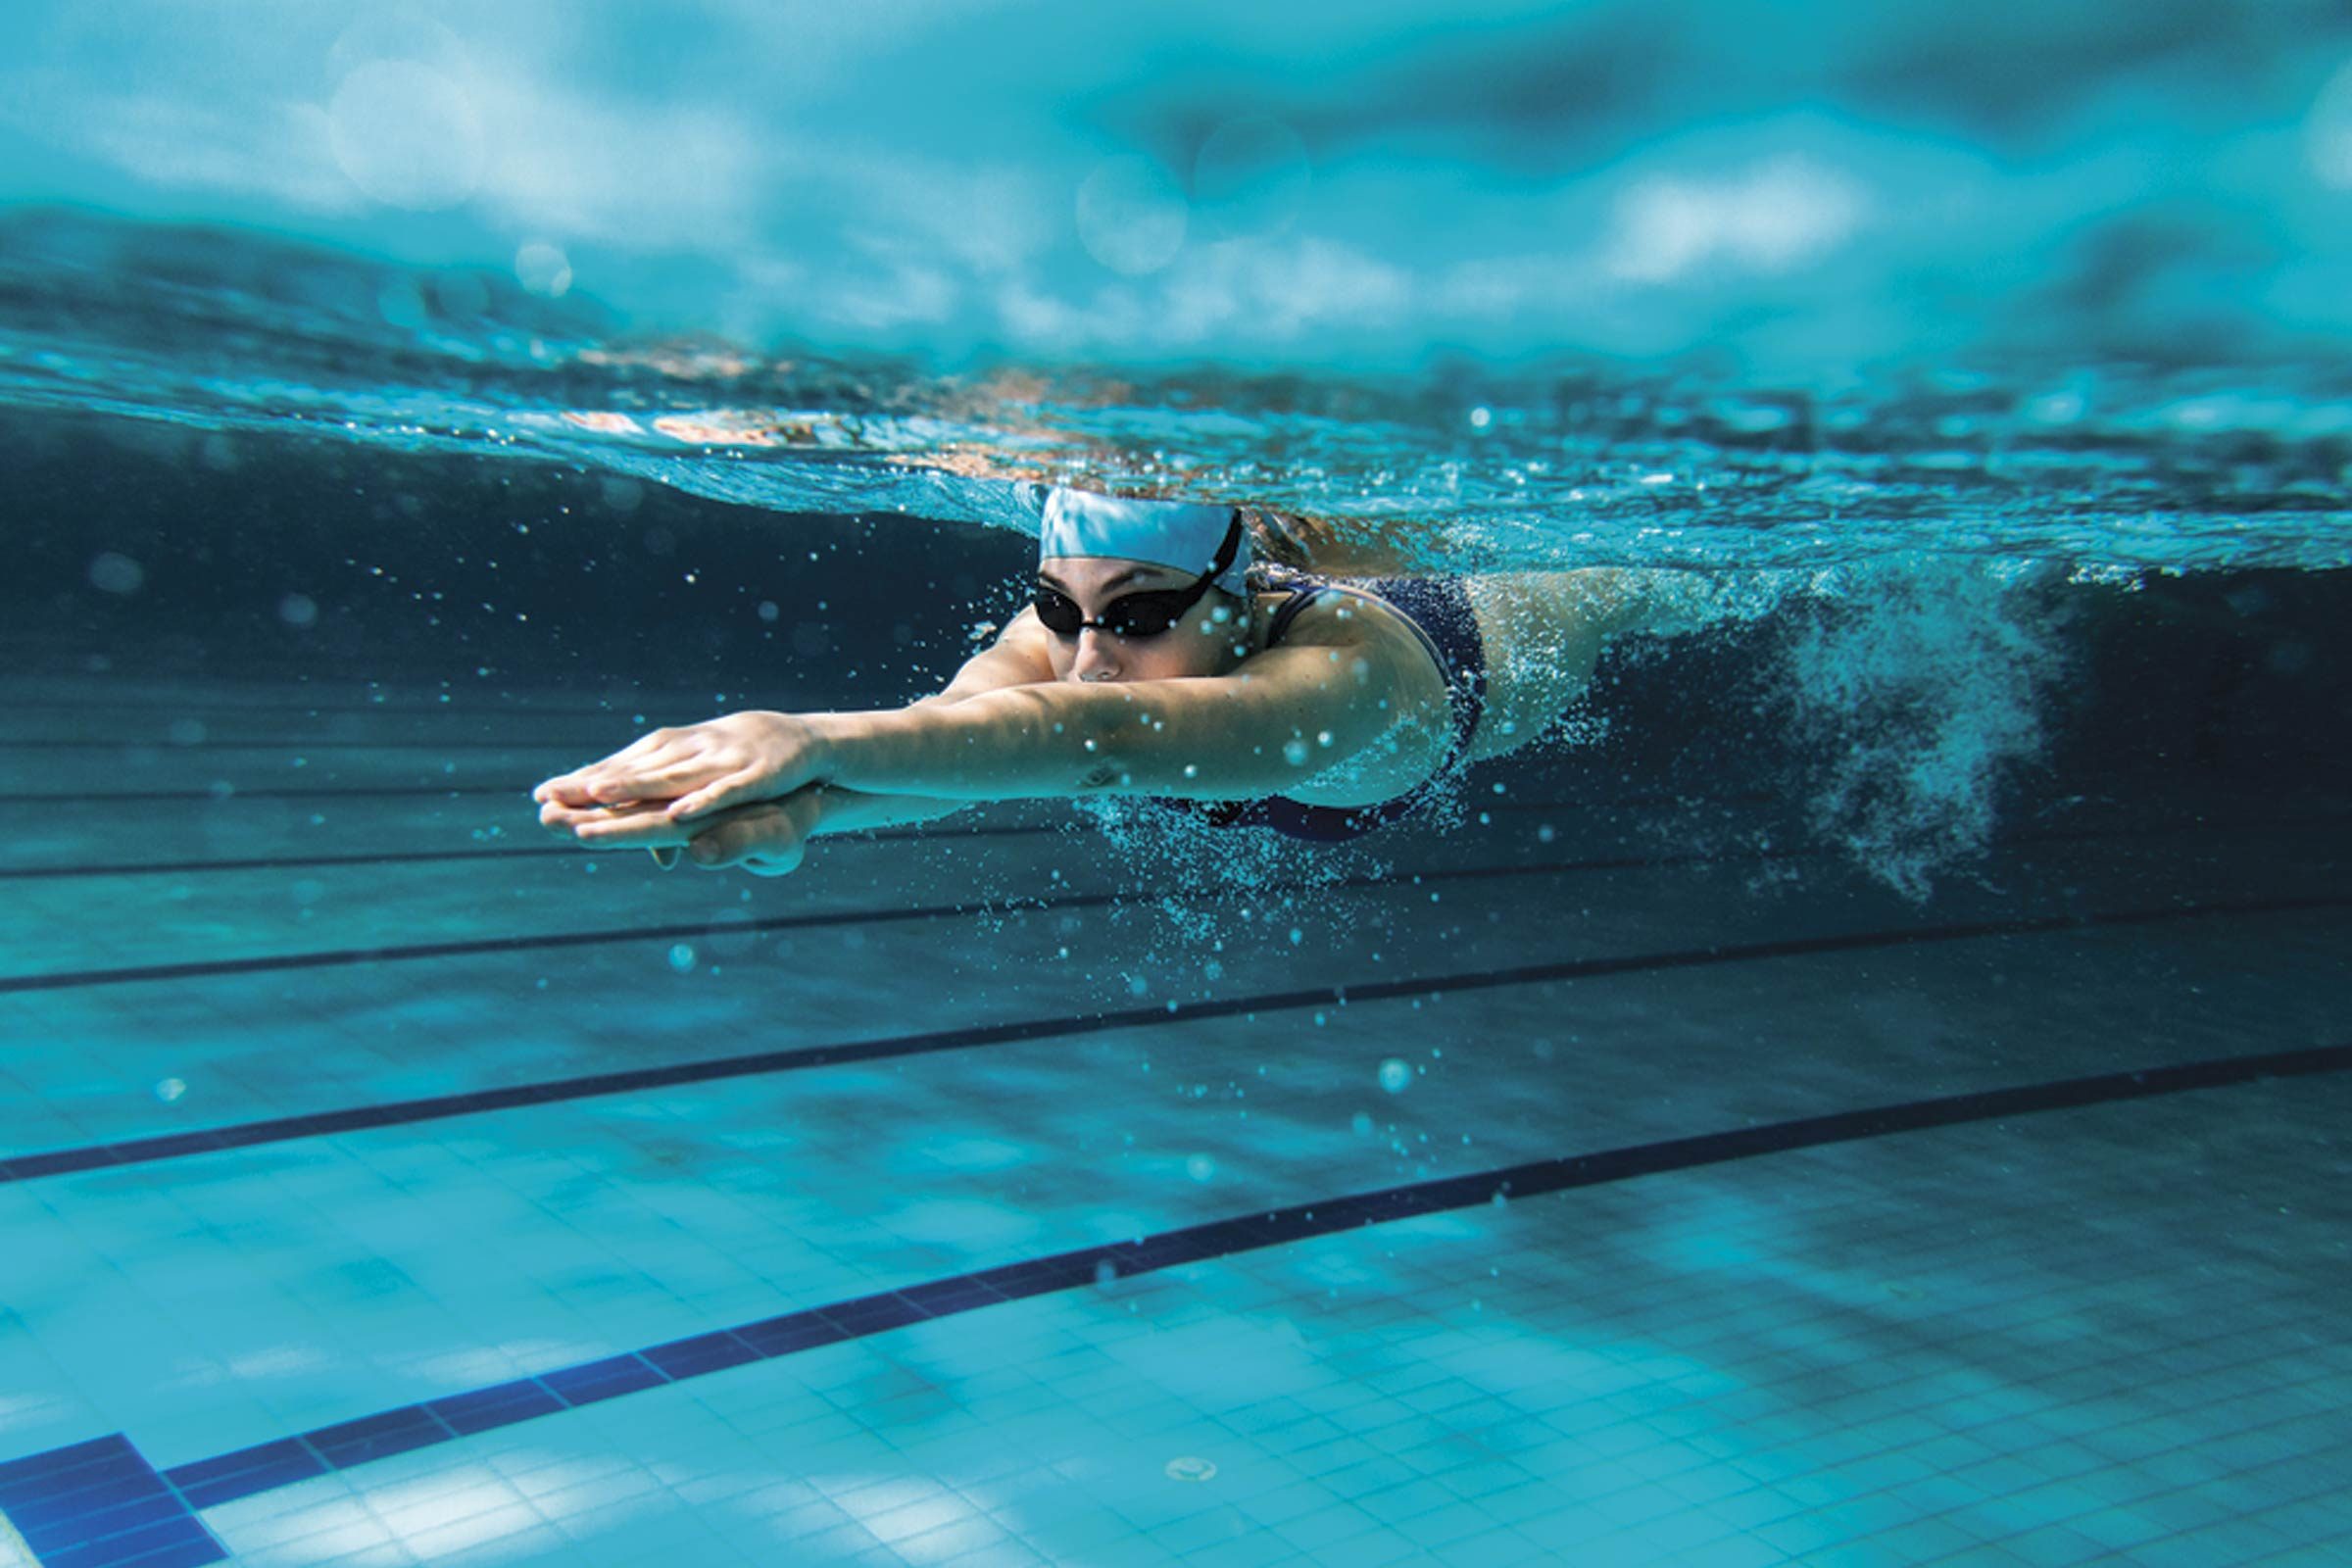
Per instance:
(1015,658)
(1286,716)
(768,837)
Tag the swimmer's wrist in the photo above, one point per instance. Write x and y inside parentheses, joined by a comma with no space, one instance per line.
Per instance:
(838,736)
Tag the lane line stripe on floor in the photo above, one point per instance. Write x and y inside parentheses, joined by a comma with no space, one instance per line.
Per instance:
(400,952)
(404,1113)
(948,834)
(51,1478)
(406,953)
(305,863)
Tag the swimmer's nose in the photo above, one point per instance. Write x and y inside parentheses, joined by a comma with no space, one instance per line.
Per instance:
(1094,662)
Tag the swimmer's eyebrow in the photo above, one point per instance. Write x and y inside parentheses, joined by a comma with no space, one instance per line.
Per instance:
(1129,575)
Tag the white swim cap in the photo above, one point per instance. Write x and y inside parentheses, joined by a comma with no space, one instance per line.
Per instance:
(1182,534)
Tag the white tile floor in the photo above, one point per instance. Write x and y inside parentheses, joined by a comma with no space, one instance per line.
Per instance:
(2105,1333)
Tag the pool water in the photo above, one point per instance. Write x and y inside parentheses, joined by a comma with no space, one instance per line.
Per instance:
(1868,1086)
(1644,1167)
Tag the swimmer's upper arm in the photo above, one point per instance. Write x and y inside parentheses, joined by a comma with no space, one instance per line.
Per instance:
(1017,657)
(1283,716)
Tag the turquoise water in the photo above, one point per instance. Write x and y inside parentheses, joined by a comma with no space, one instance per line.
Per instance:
(1867,1086)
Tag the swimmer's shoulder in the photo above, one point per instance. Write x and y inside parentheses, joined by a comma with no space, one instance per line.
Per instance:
(1342,616)
(1348,619)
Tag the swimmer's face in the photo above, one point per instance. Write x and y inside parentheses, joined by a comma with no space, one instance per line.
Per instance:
(1209,640)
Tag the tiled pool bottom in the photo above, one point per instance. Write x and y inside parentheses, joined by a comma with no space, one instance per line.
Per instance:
(2078,1325)
(2131,1347)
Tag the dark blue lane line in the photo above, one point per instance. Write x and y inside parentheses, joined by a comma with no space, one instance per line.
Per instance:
(100,1504)
(60,1482)
(884,834)
(208,796)
(164,745)
(349,707)
(397,953)
(297,862)
(405,1112)
(337,958)
(303,862)
(183,868)
(282,863)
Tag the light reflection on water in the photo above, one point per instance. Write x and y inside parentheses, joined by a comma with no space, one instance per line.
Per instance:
(2104,465)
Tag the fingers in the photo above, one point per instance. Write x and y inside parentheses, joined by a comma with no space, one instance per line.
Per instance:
(565,820)
(676,780)
(569,820)
(625,775)
(715,763)
(564,786)
(642,825)
(657,776)
(707,796)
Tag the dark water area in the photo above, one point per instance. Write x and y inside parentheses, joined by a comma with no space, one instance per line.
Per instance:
(146,553)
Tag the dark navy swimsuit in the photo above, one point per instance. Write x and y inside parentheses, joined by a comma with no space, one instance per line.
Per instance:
(1440,610)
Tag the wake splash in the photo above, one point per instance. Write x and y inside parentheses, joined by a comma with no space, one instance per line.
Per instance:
(1916,697)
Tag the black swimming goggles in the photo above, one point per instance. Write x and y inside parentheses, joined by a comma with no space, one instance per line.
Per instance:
(1136,615)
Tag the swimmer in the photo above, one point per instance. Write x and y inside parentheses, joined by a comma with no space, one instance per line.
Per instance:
(1151,661)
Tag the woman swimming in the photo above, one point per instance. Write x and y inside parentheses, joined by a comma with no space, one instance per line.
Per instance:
(1151,662)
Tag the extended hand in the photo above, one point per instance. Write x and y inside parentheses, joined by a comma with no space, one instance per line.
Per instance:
(765,837)
(691,772)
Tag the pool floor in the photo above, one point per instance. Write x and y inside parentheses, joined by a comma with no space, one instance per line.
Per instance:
(1618,1180)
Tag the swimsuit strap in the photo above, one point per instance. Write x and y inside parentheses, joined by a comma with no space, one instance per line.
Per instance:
(1288,611)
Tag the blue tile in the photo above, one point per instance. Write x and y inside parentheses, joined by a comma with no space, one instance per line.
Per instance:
(955,1294)
(53,1525)
(376,1437)
(603,1380)
(245,1134)
(56,1162)
(1039,1277)
(183,1536)
(46,1470)
(208,1483)
(197,1549)
(1164,1252)
(131,1150)
(874,1314)
(794,1331)
(99,1504)
(703,1352)
(481,1410)
(78,1497)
